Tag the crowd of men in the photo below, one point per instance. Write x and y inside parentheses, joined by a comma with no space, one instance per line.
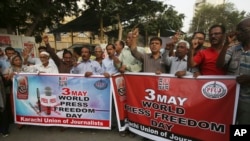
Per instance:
(222,58)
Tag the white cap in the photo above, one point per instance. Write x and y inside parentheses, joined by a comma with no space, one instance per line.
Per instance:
(44,53)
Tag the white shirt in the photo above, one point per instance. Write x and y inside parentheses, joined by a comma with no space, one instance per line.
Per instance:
(41,68)
(37,61)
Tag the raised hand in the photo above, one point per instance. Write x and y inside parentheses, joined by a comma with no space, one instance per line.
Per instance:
(135,33)
(46,39)
(195,43)
(25,53)
(176,37)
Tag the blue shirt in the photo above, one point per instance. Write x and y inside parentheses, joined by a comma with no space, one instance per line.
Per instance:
(108,66)
(87,66)
(4,64)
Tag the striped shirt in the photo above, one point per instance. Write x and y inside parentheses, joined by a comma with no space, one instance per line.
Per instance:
(238,63)
(237,60)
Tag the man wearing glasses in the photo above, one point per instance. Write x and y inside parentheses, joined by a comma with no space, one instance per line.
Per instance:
(206,58)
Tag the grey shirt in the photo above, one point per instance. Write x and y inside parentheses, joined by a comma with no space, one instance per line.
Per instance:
(149,63)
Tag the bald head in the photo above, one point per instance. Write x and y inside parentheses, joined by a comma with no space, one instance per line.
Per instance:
(244,23)
(243,30)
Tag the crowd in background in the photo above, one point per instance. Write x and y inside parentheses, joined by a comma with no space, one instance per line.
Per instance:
(178,57)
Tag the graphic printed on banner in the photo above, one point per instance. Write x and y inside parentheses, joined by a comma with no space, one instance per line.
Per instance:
(214,90)
(4,41)
(120,99)
(162,108)
(61,100)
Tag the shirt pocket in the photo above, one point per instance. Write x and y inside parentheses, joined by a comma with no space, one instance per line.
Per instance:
(234,64)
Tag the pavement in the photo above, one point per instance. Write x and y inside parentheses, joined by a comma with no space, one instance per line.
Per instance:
(42,133)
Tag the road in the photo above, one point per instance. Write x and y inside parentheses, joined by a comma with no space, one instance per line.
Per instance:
(40,133)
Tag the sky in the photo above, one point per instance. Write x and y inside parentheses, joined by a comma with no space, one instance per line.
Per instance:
(186,7)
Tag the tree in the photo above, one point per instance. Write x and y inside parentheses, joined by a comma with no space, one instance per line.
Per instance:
(102,9)
(150,15)
(169,19)
(33,16)
(209,15)
(158,19)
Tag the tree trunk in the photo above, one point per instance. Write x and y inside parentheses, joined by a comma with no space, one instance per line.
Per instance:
(10,30)
(31,28)
(119,27)
(101,30)
(146,38)
(159,33)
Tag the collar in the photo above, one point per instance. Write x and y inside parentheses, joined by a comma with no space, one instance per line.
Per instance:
(151,56)
(49,65)
(184,59)
(239,47)
(126,48)
(86,61)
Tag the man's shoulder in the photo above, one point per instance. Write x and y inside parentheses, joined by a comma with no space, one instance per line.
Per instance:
(140,48)
(107,59)
(205,50)
(236,47)
(94,62)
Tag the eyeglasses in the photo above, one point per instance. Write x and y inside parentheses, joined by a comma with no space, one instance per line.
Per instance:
(199,38)
(98,51)
(215,34)
(180,46)
(43,57)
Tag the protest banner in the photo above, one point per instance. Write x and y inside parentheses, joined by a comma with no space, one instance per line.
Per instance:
(62,100)
(18,43)
(165,108)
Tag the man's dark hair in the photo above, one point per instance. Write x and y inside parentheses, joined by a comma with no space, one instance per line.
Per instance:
(110,44)
(122,43)
(199,32)
(9,48)
(156,38)
(87,47)
(65,51)
(77,50)
(223,29)
(42,48)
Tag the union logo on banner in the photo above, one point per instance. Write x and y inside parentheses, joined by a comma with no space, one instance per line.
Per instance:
(163,83)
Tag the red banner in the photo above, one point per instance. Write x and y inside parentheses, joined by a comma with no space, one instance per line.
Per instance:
(4,41)
(169,108)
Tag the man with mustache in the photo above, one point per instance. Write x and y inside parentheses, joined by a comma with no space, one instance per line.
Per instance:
(87,67)
(206,58)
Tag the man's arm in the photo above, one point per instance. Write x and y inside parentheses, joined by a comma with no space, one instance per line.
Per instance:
(52,53)
(220,63)
(117,62)
(191,62)
(134,51)
(166,55)
(138,55)
(243,80)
